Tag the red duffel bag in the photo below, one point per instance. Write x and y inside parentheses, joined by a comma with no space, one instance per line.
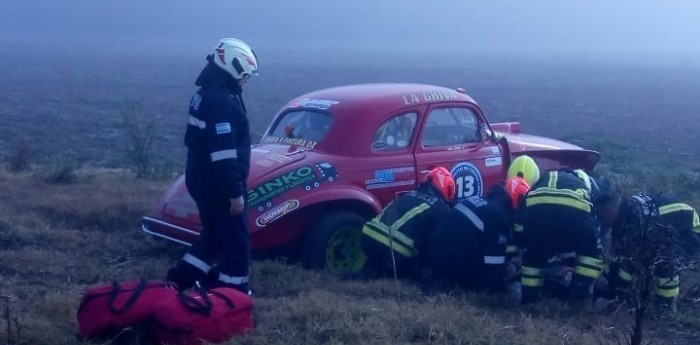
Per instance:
(106,310)
(201,317)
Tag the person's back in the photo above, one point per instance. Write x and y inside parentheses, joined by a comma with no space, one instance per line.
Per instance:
(397,237)
(558,218)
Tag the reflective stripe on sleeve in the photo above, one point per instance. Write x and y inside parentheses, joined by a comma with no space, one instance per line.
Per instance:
(471,216)
(196,122)
(409,215)
(511,249)
(384,239)
(494,260)
(666,209)
(196,262)
(223,154)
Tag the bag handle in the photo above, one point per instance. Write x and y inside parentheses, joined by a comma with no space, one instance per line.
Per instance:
(225,298)
(204,307)
(117,289)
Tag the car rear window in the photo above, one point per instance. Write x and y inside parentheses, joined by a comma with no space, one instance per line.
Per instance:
(302,127)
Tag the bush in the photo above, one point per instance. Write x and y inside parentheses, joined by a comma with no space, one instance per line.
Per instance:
(60,171)
(139,131)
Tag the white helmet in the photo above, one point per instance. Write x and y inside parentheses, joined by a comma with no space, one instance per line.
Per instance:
(236,57)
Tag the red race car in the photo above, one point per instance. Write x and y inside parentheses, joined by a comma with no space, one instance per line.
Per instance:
(333,158)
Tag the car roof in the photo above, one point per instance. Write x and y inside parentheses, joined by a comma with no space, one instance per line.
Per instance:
(356,100)
(357,109)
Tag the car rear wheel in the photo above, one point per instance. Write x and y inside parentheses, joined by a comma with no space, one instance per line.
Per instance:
(333,243)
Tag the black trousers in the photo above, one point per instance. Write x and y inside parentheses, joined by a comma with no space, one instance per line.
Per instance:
(551,229)
(224,238)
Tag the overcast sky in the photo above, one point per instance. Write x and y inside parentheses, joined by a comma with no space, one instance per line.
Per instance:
(593,27)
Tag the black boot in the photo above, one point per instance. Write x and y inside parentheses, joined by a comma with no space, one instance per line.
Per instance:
(184,275)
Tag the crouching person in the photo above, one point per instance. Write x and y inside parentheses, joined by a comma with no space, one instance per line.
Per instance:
(656,223)
(396,238)
(468,248)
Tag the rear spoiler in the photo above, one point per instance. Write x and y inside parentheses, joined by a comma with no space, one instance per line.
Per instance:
(506,127)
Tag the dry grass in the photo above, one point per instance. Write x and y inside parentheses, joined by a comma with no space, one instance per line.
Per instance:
(56,240)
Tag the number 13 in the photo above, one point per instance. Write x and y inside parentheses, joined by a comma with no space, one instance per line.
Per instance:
(465,186)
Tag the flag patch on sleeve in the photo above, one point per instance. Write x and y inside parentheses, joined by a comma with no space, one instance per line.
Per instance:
(223,128)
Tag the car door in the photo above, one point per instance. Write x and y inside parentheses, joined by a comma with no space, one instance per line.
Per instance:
(392,163)
(455,136)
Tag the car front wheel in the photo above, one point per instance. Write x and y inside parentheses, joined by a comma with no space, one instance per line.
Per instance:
(333,243)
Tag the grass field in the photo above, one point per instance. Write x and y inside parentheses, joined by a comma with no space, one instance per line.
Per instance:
(71,221)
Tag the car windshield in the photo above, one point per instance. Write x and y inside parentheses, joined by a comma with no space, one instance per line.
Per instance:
(302,128)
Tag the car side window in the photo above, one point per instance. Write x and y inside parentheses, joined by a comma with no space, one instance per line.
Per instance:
(451,126)
(395,134)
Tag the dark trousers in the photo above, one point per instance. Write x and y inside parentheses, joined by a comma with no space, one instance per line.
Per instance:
(224,238)
(552,229)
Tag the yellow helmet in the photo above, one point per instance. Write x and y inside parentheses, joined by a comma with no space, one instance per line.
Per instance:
(526,167)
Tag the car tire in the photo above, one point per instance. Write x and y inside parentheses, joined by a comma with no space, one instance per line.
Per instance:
(333,244)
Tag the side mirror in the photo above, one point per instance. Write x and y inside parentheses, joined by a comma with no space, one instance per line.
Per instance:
(488,134)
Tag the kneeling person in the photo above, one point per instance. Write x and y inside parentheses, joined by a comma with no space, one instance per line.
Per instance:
(468,248)
(399,234)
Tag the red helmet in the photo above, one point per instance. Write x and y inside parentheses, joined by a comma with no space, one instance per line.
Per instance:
(516,188)
(442,179)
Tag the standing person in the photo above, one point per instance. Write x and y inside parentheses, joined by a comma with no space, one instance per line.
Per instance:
(558,218)
(218,163)
(397,238)
(643,218)
(468,248)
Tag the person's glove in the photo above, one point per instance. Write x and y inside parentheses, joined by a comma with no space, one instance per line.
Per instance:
(237,205)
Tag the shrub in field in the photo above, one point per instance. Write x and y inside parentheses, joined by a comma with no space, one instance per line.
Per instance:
(652,253)
(139,131)
(60,171)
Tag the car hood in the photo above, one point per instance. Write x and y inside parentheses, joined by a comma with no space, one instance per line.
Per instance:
(267,159)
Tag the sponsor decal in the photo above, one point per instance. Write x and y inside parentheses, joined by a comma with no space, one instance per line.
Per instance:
(260,150)
(290,141)
(304,177)
(429,96)
(391,184)
(327,171)
(320,104)
(502,239)
(273,188)
(468,179)
(494,161)
(277,212)
(223,128)
(495,150)
(387,178)
(272,158)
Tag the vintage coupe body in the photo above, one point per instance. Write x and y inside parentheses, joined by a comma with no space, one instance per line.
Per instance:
(332,159)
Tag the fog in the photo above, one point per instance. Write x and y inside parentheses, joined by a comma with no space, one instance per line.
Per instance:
(594,28)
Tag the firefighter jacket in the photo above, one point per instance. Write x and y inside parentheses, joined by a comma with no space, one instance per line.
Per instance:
(646,212)
(404,224)
(469,245)
(557,219)
(218,134)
